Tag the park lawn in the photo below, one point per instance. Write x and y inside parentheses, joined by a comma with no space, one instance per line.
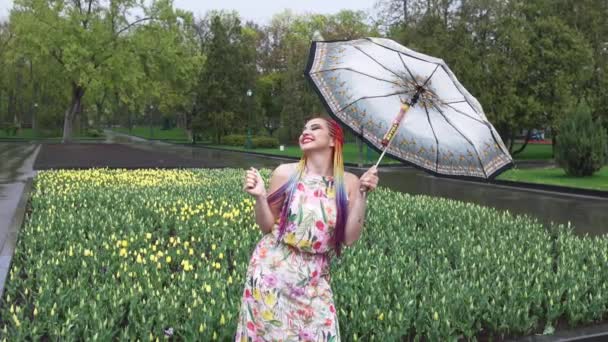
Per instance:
(174,134)
(534,152)
(557,176)
(28,133)
(350,153)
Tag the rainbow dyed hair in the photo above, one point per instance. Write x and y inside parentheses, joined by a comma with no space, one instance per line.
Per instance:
(288,189)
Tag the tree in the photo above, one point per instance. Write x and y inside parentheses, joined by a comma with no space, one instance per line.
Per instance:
(583,146)
(228,73)
(89,40)
(562,66)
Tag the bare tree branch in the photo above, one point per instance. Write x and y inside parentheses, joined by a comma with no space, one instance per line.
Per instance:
(132,24)
(57,56)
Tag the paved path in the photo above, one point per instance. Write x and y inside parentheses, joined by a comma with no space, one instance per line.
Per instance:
(16,174)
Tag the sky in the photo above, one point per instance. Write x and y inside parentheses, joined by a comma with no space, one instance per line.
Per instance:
(259,11)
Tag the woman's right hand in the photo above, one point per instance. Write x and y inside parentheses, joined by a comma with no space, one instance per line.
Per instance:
(254,184)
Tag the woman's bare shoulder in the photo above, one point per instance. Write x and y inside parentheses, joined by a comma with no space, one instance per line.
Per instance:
(284,170)
(350,179)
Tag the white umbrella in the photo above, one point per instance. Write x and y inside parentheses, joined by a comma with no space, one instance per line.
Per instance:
(407,105)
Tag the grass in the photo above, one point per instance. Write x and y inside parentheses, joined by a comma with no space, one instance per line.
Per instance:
(533,152)
(351,153)
(557,176)
(175,134)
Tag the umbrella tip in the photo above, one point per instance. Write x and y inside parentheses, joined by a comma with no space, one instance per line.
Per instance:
(316,36)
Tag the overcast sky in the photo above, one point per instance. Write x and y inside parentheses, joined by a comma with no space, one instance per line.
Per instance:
(259,11)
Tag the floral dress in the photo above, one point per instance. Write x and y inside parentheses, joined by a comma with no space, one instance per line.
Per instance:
(287,295)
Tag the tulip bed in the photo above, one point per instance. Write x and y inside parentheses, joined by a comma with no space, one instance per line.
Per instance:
(150,254)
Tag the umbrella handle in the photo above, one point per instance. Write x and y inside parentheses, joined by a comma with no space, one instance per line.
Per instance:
(391,132)
(388,138)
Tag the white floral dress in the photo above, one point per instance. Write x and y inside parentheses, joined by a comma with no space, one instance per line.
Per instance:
(287,295)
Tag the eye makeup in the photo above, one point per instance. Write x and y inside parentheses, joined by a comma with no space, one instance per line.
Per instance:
(312,127)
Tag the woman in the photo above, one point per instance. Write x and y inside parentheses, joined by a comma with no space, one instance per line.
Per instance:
(314,208)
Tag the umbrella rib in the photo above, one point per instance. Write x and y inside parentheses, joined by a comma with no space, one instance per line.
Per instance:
(428,117)
(358,72)
(467,115)
(405,53)
(433,73)
(373,59)
(408,69)
(371,97)
(464,136)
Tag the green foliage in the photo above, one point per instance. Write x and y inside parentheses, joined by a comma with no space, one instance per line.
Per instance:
(525,61)
(176,256)
(234,140)
(9,129)
(258,142)
(94,133)
(582,145)
(557,176)
(228,73)
(99,47)
(265,142)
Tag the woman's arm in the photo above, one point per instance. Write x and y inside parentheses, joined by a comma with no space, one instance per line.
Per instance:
(356,210)
(265,214)
(357,190)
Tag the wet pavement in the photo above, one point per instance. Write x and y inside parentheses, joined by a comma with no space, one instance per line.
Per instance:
(16,173)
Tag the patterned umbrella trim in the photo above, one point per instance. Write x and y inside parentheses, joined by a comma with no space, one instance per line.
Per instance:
(494,167)
(468,97)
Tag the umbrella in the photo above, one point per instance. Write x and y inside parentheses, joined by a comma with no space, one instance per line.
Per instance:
(407,105)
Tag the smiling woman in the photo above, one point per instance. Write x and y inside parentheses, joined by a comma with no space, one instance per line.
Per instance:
(313,209)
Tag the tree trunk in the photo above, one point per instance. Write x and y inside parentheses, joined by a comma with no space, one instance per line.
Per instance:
(98,109)
(12,110)
(528,136)
(188,117)
(68,119)
(553,141)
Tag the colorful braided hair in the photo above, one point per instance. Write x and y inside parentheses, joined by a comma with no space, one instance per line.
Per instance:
(335,131)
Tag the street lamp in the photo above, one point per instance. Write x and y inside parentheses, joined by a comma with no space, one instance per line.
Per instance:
(34,125)
(248,144)
(151,127)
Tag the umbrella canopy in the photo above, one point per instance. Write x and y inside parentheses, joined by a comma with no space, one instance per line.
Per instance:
(408,105)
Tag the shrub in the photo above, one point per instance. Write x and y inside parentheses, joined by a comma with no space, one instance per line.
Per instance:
(94,133)
(234,140)
(10,129)
(580,147)
(265,142)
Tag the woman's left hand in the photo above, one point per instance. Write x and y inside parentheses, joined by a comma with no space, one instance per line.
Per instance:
(369,180)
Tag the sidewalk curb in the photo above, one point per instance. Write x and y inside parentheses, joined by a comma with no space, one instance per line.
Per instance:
(589,334)
(15,226)
(552,188)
